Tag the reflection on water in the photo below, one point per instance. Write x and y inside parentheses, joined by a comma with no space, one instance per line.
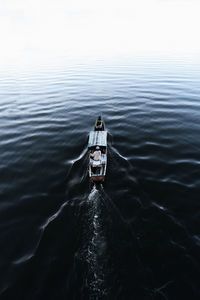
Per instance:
(138,235)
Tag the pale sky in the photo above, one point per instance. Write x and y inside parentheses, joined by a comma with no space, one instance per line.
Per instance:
(77,28)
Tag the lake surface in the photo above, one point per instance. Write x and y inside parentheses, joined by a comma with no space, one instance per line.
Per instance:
(138,235)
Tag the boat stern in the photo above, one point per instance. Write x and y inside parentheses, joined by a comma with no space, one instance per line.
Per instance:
(97,179)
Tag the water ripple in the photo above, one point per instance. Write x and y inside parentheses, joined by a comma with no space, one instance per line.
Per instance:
(142,231)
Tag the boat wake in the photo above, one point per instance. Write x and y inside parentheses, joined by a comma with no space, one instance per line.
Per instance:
(95,248)
(100,213)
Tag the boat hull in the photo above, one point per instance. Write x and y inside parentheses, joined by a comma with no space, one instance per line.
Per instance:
(97,150)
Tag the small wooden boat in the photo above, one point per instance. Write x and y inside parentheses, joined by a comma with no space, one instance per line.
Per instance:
(97,149)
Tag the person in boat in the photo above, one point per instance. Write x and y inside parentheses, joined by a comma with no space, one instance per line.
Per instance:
(99,125)
(97,154)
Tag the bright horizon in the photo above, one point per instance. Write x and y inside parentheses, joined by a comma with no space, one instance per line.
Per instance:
(75,28)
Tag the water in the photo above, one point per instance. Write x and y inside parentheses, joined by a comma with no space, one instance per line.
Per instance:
(138,235)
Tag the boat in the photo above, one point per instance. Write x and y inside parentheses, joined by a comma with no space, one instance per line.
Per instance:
(97,149)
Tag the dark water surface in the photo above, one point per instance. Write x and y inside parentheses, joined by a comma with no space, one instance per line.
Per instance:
(138,235)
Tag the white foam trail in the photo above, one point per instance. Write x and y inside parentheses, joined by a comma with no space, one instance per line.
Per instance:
(96,246)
